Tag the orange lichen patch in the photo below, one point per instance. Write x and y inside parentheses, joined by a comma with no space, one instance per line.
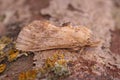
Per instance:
(4,43)
(56,58)
(42,70)
(2,67)
(28,75)
(53,68)
(22,76)
(5,40)
(62,62)
(7,49)
(13,54)
(2,46)
(31,74)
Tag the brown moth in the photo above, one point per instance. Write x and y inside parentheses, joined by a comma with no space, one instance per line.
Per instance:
(42,35)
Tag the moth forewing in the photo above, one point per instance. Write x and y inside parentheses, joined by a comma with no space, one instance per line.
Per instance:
(42,35)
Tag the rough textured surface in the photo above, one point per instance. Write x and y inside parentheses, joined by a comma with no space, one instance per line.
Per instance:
(14,15)
(84,12)
(43,55)
(16,67)
(95,14)
(115,37)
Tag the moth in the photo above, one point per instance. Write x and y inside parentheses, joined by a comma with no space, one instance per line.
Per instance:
(42,35)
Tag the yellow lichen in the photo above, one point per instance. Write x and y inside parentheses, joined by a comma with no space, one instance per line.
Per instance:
(2,67)
(2,46)
(57,65)
(62,62)
(31,74)
(5,40)
(5,47)
(22,76)
(54,67)
(50,62)
(28,75)
(13,54)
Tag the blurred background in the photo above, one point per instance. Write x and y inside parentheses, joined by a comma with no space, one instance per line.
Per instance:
(15,14)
